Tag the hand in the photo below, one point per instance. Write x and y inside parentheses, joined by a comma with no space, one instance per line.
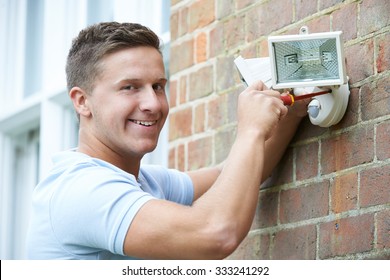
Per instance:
(259,110)
(299,108)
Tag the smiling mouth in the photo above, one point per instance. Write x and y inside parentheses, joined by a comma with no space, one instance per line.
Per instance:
(144,123)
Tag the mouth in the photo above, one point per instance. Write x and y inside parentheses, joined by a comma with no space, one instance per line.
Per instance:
(144,123)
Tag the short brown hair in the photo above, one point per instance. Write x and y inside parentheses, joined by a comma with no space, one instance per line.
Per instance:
(98,40)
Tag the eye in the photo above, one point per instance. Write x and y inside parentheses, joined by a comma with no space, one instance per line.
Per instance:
(159,87)
(129,87)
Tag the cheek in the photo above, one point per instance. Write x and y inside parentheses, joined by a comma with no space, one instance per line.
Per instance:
(109,112)
(165,107)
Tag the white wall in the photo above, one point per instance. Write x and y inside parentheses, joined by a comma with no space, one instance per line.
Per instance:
(36,117)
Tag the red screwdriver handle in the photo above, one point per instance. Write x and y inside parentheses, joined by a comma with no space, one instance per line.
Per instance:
(288,99)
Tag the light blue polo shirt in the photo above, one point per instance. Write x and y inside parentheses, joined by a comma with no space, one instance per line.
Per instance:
(84,207)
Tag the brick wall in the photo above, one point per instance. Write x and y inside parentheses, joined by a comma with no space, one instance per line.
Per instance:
(330,195)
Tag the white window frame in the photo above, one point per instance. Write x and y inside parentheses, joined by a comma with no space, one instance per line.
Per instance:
(49,109)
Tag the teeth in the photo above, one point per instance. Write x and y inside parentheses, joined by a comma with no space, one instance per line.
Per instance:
(144,122)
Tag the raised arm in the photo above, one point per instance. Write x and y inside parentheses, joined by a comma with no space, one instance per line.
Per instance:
(275,147)
(218,220)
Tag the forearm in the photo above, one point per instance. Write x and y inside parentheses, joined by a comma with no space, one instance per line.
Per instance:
(232,200)
(276,146)
(204,178)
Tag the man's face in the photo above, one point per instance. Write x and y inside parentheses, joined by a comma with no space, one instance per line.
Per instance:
(128,103)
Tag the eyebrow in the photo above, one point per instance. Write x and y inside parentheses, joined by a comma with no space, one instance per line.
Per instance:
(163,79)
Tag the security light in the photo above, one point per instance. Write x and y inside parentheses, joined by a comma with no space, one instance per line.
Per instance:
(307,60)
(306,66)
(310,63)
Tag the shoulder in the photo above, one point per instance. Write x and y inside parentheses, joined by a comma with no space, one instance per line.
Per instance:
(73,165)
(163,174)
(167,183)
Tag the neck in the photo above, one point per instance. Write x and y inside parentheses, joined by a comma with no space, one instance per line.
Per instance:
(95,148)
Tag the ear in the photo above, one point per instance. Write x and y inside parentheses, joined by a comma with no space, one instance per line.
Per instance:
(80,101)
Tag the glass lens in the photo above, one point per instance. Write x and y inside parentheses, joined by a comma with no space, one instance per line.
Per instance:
(306,60)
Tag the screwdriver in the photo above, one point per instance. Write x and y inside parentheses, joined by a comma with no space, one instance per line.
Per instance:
(289,99)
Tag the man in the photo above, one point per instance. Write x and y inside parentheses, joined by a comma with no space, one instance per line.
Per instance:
(98,202)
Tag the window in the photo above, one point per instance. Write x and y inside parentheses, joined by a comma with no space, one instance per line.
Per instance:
(99,10)
(36,116)
(33,47)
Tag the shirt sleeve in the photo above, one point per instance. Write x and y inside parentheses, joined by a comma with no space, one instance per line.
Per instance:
(93,212)
(177,186)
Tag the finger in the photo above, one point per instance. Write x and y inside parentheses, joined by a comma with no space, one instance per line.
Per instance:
(272,93)
(258,85)
(283,112)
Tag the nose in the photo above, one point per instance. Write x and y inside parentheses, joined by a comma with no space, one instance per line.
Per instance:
(149,100)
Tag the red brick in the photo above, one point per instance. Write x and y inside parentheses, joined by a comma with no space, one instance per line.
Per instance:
(201,47)
(346,236)
(244,3)
(383,51)
(201,83)
(328,3)
(297,243)
(374,186)
(217,44)
(225,79)
(233,32)
(307,130)
(217,112)
(183,90)
(180,123)
(360,60)
(261,20)
(173,93)
(232,104)
(344,193)
(172,158)
(375,99)
(201,13)
(347,150)
(181,157)
(351,116)
(200,153)
(224,8)
(267,210)
(374,15)
(199,119)
(318,24)
(383,222)
(223,141)
(183,21)
(307,161)
(345,20)
(253,247)
(304,203)
(304,8)
(248,51)
(185,59)
(283,173)
(174,25)
(382,140)
(263,48)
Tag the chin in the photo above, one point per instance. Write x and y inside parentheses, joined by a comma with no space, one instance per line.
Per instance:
(148,148)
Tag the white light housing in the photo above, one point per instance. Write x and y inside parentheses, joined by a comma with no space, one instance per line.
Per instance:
(306,63)
(307,60)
